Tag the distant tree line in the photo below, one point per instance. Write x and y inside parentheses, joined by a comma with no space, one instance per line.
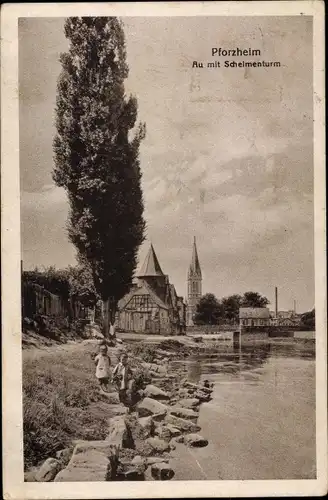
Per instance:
(212,311)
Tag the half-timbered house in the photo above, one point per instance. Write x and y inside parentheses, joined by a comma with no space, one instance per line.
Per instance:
(152,305)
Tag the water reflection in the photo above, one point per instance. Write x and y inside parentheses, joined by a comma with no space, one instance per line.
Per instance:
(261,421)
(233,359)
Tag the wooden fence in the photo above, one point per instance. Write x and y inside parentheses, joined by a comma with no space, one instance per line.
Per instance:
(37,301)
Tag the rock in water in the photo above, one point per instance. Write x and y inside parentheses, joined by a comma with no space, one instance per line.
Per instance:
(196,387)
(156,460)
(48,470)
(182,424)
(162,472)
(173,430)
(149,407)
(184,413)
(202,396)
(152,391)
(178,439)
(190,403)
(158,445)
(167,432)
(195,440)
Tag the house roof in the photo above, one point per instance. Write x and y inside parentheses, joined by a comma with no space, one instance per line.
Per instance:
(254,312)
(151,265)
(142,290)
(194,267)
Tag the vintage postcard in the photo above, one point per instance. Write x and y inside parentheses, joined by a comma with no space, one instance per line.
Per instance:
(163,250)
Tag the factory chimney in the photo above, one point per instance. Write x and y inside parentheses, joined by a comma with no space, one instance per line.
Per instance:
(276,302)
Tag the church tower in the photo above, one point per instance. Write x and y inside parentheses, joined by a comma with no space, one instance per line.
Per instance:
(194,285)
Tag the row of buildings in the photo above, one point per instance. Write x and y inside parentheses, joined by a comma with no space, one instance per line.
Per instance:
(263,317)
(153,305)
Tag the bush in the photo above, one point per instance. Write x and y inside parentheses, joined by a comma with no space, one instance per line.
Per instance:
(171,345)
(146,353)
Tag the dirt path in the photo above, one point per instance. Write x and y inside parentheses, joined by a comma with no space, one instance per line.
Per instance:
(32,353)
(44,350)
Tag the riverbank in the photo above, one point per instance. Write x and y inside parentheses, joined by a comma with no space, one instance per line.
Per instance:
(59,380)
(63,406)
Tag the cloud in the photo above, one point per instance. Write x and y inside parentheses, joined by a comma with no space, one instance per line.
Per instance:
(228,154)
(43,221)
(49,198)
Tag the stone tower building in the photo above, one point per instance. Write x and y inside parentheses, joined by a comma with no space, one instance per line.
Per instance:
(194,285)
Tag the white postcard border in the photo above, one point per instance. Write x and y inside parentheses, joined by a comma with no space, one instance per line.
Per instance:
(13,477)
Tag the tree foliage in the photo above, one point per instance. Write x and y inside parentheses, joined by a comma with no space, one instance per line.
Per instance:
(70,283)
(54,280)
(97,156)
(308,319)
(254,299)
(81,285)
(209,310)
(230,306)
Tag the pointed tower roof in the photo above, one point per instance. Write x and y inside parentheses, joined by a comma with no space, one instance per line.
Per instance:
(151,265)
(194,267)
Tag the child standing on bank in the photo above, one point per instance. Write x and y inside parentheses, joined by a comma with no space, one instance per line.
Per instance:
(102,361)
(122,378)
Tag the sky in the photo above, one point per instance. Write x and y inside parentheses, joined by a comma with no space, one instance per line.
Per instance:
(228,156)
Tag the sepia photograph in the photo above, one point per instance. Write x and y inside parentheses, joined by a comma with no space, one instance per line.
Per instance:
(168,244)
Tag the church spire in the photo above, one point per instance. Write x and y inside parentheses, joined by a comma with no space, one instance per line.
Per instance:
(151,265)
(194,285)
(194,268)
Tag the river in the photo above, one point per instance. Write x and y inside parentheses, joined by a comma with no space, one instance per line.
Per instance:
(260,423)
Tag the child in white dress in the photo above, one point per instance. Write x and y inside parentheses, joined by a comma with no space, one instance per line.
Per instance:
(102,361)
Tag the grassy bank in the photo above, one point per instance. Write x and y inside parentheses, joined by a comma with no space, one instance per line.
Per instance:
(61,398)
(61,401)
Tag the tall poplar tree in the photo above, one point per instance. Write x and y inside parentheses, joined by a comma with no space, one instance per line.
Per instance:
(96,153)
